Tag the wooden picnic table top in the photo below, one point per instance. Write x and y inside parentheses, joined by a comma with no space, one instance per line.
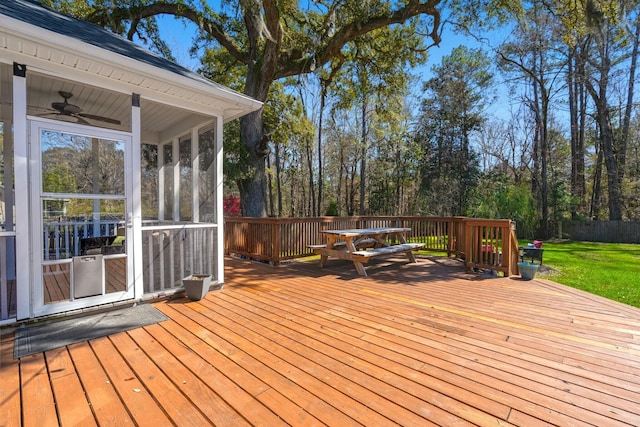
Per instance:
(356,232)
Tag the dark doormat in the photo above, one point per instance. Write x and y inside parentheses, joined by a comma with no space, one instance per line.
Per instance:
(39,338)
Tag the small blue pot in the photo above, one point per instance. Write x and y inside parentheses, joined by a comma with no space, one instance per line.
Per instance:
(527,270)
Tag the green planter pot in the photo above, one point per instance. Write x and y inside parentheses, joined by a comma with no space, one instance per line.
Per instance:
(527,270)
(196,286)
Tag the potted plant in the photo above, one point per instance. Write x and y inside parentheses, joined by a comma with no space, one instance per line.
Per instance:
(196,286)
(527,270)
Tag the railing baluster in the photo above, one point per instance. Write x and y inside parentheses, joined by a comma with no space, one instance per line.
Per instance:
(170,259)
(161,259)
(150,256)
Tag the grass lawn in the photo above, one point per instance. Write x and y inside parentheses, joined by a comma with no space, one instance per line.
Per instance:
(605,269)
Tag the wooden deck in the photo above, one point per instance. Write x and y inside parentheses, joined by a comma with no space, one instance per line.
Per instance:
(412,344)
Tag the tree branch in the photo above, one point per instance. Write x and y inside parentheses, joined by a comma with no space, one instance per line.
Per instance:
(137,14)
(357,28)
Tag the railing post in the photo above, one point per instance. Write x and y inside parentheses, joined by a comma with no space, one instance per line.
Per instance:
(468,242)
(275,232)
(450,238)
(514,252)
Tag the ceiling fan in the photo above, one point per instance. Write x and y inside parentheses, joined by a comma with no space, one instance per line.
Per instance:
(64,108)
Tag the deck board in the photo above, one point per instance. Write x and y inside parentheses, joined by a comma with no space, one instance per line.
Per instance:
(139,403)
(41,410)
(72,406)
(10,388)
(107,407)
(412,344)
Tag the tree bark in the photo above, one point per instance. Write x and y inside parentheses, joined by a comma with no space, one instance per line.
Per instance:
(270,189)
(611,162)
(253,186)
(594,212)
(363,160)
(606,137)
(278,178)
(311,203)
(572,86)
(323,95)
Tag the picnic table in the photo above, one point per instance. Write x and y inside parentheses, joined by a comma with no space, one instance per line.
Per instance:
(361,244)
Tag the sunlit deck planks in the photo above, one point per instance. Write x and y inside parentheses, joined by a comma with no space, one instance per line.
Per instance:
(412,344)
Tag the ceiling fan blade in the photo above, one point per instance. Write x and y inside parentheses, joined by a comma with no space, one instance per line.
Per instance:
(69,118)
(99,118)
(80,120)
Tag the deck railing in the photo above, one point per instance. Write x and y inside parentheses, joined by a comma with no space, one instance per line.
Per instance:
(61,239)
(172,251)
(481,243)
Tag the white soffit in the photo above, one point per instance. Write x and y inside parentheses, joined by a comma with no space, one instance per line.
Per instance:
(74,59)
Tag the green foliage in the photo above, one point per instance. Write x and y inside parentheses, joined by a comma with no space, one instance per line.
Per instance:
(84,207)
(484,14)
(58,178)
(496,197)
(332,209)
(588,17)
(218,66)
(451,112)
(78,8)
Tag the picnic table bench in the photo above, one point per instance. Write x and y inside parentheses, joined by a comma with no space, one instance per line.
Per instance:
(360,245)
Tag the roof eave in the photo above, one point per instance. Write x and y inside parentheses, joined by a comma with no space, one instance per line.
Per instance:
(234,104)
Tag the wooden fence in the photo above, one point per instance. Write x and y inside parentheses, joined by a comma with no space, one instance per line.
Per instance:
(602,231)
(481,243)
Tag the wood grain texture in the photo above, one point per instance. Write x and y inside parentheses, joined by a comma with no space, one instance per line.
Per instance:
(412,344)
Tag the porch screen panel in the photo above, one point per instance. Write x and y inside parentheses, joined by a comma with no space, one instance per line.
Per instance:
(7,203)
(167,162)
(8,296)
(207,174)
(149,181)
(186,181)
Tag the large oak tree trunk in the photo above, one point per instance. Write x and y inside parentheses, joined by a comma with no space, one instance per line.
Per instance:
(253,187)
